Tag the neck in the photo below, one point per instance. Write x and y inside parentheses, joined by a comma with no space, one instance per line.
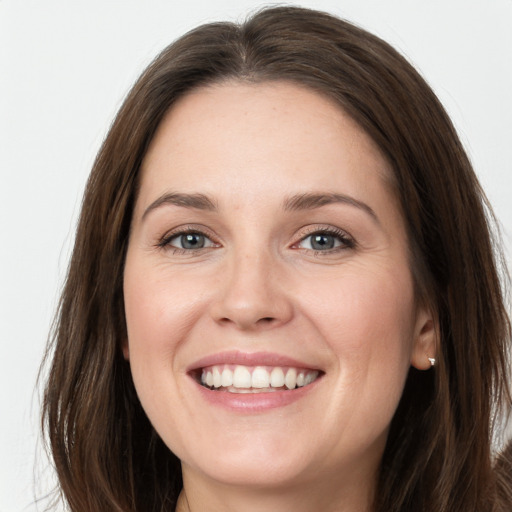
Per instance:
(329,495)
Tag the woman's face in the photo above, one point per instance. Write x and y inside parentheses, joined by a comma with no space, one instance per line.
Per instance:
(267,252)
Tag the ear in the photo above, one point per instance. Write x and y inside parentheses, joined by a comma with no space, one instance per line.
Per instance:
(426,338)
(126,349)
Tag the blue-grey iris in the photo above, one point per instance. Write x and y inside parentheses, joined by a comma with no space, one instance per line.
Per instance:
(322,241)
(192,241)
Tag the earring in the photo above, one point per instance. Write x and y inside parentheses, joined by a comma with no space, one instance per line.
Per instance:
(432,361)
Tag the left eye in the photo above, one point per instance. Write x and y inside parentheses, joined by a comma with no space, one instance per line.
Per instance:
(190,241)
(323,241)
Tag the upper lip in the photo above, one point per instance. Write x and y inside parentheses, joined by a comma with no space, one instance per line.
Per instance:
(249,359)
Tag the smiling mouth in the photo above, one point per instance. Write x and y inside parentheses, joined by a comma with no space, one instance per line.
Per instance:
(255,379)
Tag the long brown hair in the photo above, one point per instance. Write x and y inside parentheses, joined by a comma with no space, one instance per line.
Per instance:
(439,451)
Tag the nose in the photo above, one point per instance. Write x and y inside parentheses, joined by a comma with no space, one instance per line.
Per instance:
(252,295)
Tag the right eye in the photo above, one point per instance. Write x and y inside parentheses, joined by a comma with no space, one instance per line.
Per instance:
(189,241)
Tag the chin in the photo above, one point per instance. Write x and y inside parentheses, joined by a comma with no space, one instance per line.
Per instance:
(257,473)
(261,459)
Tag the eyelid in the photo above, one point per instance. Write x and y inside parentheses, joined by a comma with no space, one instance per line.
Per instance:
(164,241)
(348,240)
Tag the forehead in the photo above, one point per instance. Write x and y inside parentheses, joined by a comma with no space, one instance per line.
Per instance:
(233,133)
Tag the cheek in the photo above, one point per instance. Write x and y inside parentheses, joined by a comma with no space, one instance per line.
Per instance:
(367,320)
(370,330)
(158,316)
(160,308)
(368,307)
(163,306)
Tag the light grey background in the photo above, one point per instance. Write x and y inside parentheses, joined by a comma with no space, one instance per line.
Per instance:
(64,69)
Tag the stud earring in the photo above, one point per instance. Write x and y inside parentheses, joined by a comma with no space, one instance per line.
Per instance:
(432,361)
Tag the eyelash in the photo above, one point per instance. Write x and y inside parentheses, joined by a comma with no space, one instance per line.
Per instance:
(165,241)
(347,242)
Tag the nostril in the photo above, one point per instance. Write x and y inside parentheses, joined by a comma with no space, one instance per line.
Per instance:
(249,323)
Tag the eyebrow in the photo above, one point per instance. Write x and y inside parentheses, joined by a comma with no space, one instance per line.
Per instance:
(196,201)
(298,202)
(310,201)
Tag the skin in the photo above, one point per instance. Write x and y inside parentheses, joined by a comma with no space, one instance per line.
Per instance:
(258,285)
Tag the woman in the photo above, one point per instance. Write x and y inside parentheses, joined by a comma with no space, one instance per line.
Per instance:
(283,293)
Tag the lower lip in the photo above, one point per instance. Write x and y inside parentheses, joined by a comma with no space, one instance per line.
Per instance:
(254,402)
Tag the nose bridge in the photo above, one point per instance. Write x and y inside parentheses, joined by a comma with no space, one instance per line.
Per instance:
(252,294)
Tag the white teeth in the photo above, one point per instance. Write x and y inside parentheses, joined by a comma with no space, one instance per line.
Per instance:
(227,377)
(217,379)
(277,378)
(258,379)
(310,377)
(241,377)
(291,378)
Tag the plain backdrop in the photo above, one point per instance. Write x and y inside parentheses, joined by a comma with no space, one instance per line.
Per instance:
(64,70)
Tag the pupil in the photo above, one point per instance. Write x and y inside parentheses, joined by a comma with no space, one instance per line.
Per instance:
(192,241)
(320,242)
